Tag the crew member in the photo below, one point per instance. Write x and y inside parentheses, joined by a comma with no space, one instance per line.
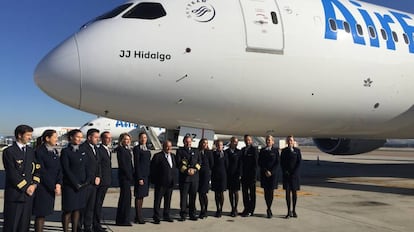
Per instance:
(219,176)
(233,174)
(249,155)
(205,176)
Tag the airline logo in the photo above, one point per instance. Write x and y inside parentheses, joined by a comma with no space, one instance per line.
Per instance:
(123,124)
(200,11)
(349,18)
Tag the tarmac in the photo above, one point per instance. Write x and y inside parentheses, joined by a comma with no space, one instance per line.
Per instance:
(368,192)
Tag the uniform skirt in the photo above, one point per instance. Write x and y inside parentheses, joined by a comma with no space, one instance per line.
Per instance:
(204,181)
(73,199)
(268,182)
(291,182)
(141,191)
(44,202)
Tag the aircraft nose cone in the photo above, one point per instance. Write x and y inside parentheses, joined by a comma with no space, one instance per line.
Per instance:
(58,73)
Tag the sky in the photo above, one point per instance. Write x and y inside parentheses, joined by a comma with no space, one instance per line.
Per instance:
(31,28)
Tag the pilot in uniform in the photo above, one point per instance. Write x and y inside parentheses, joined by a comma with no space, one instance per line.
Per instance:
(188,161)
(163,173)
(290,160)
(91,149)
(233,174)
(126,178)
(22,178)
(248,159)
(142,160)
(268,162)
(51,174)
(206,161)
(219,176)
(105,155)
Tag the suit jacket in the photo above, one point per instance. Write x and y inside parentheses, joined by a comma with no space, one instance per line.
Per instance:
(21,171)
(51,170)
(125,167)
(142,161)
(248,159)
(290,161)
(105,166)
(186,159)
(75,167)
(268,160)
(161,173)
(94,159)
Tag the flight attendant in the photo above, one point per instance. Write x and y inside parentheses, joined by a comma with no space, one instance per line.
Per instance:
(206,162)
(105,156)
(163,174)
(290,160)
(268,162)
(249,155)
(76,177)
(219,176)
(233,174)
(51,175)
(188,162)
(22,178)
(142,162)
(126,178)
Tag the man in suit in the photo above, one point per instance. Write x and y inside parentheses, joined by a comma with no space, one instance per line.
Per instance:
(106,178)
(163,172)
(91,149)
(188,162)
(22,178)
(249,156)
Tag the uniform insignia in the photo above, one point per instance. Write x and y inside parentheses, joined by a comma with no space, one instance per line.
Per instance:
(37,166)
(19,162)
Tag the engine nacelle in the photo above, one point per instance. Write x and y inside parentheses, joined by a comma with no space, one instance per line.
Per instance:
(341,146)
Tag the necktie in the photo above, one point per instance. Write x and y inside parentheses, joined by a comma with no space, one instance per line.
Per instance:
(24,149)
(169,160)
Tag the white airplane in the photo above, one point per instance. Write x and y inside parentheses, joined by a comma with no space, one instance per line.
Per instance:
(38,131)
(340,71)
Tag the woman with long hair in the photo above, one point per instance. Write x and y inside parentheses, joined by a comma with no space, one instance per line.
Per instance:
(204,176)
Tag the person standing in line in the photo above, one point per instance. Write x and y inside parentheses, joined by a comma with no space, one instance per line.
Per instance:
(233,174)
(105,156)
(290,161)
(91,149)
(249,155)
(126,178)
(188,162)
(268,162)
(51,175)
(163,170)
(206,162)
(76,177)
(219,176)
(142,161)
(21,181)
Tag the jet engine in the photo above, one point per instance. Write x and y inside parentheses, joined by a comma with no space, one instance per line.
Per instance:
(343,146)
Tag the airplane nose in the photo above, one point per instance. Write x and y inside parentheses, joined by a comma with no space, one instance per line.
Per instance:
(58,74)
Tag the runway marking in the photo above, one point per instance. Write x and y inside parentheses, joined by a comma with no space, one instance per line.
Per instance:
(388,182)
(280,193)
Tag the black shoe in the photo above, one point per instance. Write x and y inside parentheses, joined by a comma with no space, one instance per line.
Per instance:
(123,224)
(269,213)
(233,214)
(168,219)
(294,214)
(193,218)
(99,229)
(218,214)
(244,214)
(157,221)
(88,230)
(182,218)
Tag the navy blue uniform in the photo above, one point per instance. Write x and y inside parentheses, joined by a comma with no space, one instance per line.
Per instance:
(163,177)
(233,169)
(219,172)
(126,178)
(188,158)
(290,161)
(248,160)
(51,174)
(76,177)
(206,163)
(21,171)
(106,179)
(142,160)
(268,161)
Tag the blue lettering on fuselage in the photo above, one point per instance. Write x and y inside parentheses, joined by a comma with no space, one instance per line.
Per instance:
(125,124)
(339,14)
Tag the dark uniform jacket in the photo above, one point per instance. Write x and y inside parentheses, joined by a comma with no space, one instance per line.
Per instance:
(51,170)
(125,167)
(268,161)
(161,173)
(21,171)
(290,163)
(248,161)
(142,161)
(188,158)
(94,160)
(75,168)
(105,166)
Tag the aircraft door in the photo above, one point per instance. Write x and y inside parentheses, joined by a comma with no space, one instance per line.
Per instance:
(263,24)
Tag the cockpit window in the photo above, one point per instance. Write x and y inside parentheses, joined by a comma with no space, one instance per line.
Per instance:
(114,12)
(146,10)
